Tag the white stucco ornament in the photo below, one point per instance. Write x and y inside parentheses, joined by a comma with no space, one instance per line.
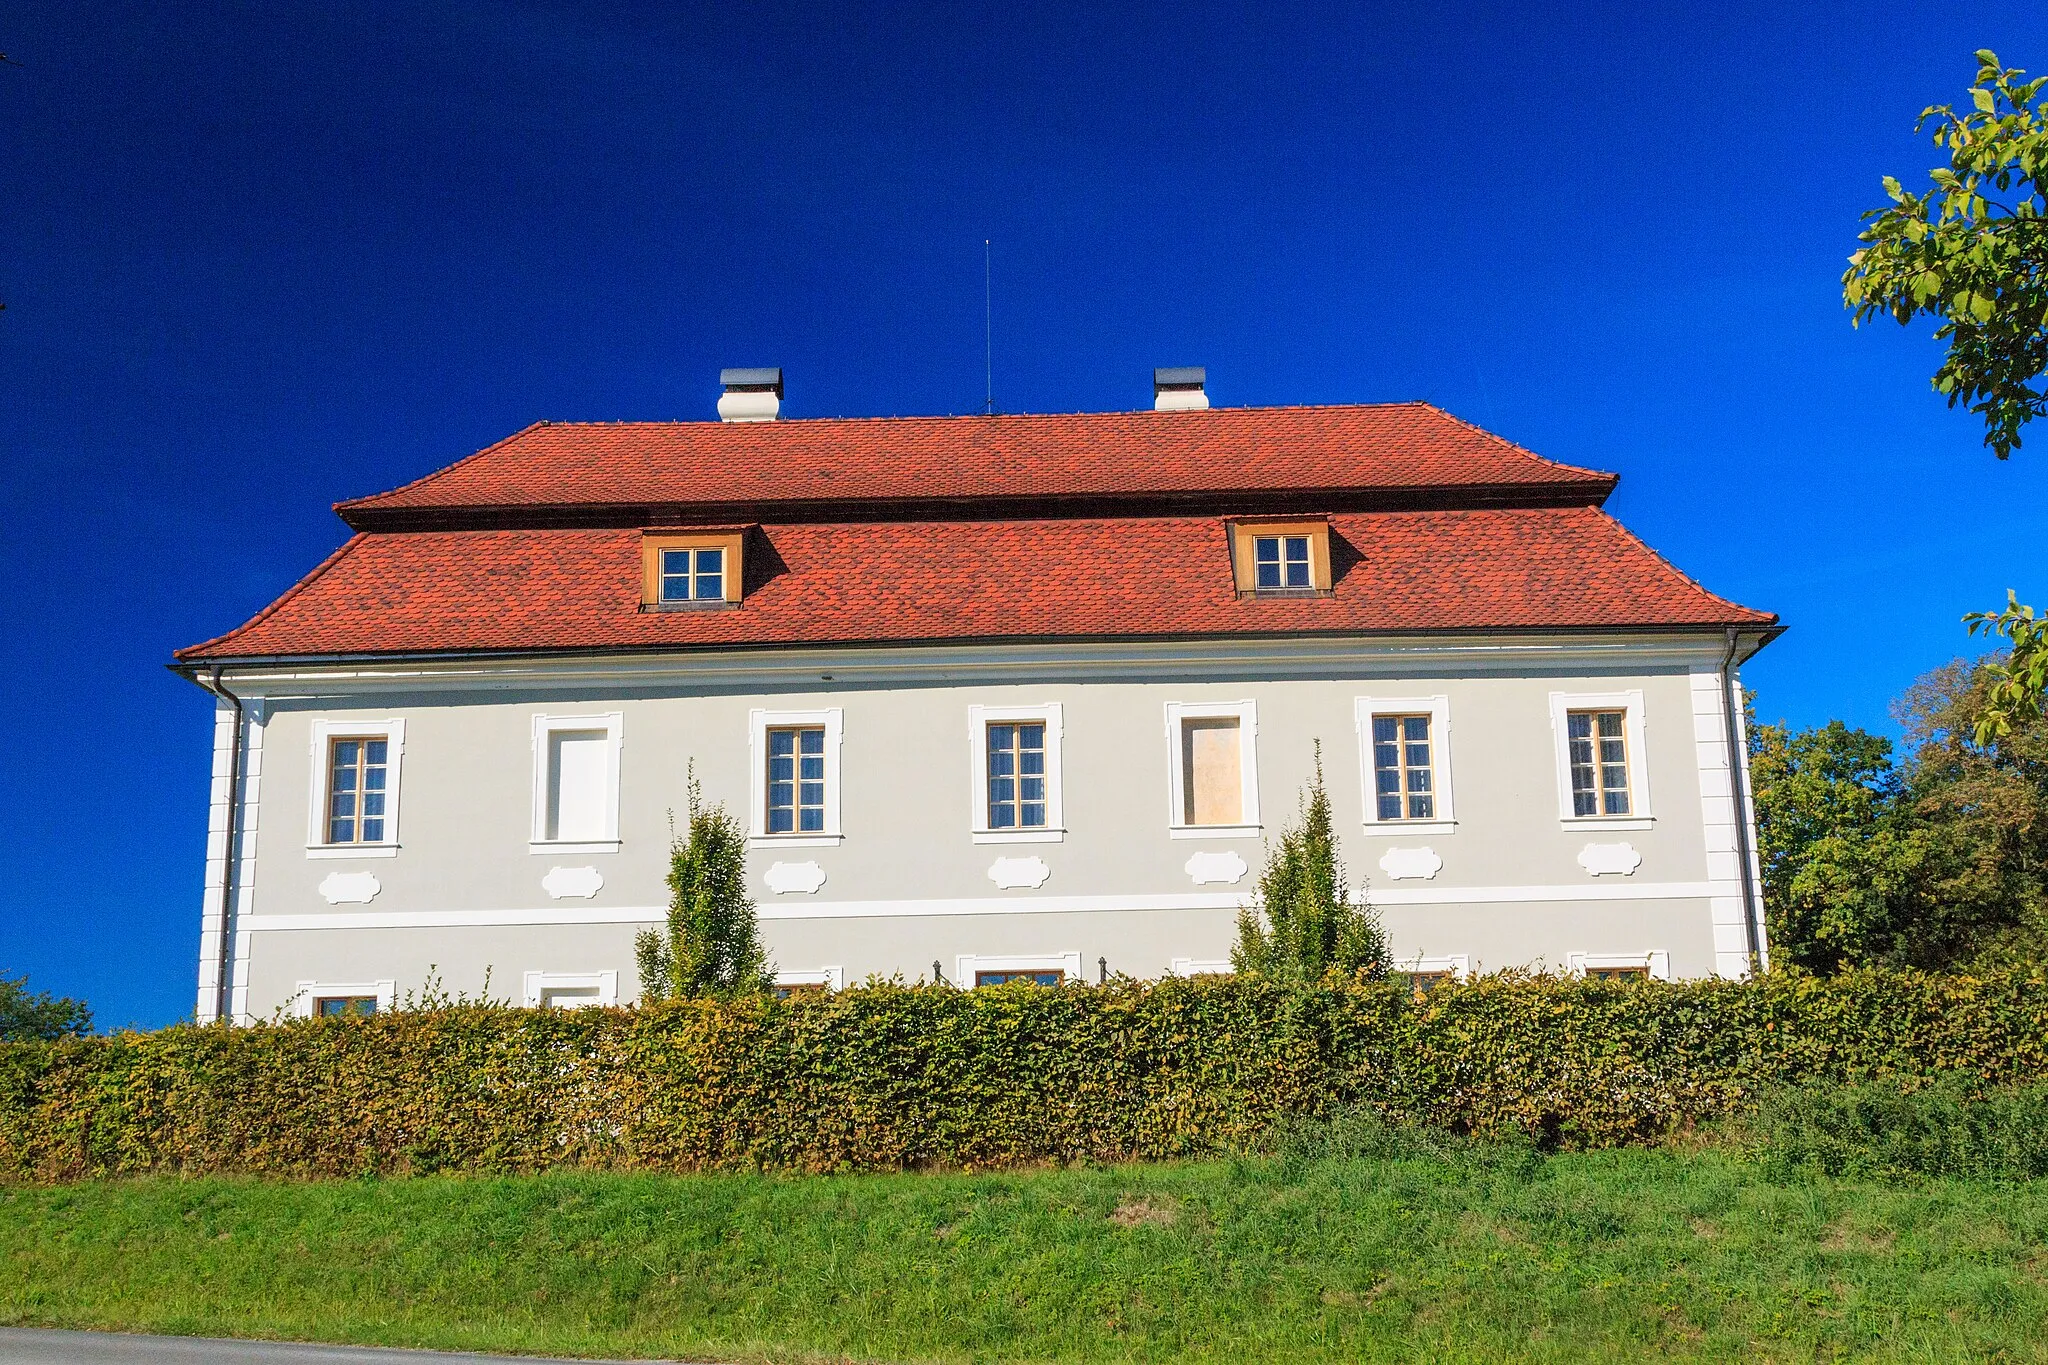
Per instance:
(572,881)
(1607,860)
(1403,863)
(350,888)
(1010,873)
(1216,867)
(801,879)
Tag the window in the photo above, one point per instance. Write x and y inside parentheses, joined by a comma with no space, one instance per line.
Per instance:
(1405,762)
(1015,765)
(1044,969)
(1281,562)
(796,779)
(1213,768)
(576,783)
(357,787)
(1401,770)
(1425,974)
(685,570)
(331,999)
(1016,775)
(821,982)
(1283,557)
(1420,984)
(1191,967)
(795,783)
(1602,777)
(353,810)
(1599,754)
(689,575)
(1046,978)
(571,990)
(1654,965)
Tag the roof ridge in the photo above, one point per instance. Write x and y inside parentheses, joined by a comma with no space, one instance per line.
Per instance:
(290,593)
(449,468)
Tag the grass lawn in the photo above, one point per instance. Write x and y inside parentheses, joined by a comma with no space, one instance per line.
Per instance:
(1487,1256)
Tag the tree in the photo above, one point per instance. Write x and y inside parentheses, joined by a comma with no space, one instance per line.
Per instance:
(1310,927)
(712,945)
(39,1017)
(2019,683)
(1972,251)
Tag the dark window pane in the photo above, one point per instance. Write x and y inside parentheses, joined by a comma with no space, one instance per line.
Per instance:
(710,587)
(710,562)
(373,829)
(780,821)
(813,820)
(813,741)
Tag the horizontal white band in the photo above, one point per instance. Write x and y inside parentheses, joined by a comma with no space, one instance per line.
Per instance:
(978,905)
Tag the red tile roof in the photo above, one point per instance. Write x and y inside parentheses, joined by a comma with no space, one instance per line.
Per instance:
(878,582)
(558,473)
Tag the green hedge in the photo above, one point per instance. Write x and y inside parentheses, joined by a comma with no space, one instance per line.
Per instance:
(891,1076)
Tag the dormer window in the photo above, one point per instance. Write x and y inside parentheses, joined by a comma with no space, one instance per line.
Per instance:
(693,575)
(685,570)
(1281,558)
(1280,562)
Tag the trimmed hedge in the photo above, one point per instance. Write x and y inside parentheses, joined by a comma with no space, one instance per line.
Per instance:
(891,1076)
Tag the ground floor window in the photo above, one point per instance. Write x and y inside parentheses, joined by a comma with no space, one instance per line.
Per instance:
(329,1006)
(1052,978)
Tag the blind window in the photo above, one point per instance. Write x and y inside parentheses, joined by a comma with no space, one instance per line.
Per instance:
(1212,772)
(579,764)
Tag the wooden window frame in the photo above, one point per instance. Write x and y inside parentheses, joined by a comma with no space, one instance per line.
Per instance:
(1011,975)
(361,772)
(307,995)
(797,804)
(1598,764)
(1634,738)
(653,543)
(320,750)
(979,718)
(969,968)
(831,719)
(1244,559)
(1365,710)
(1654,964)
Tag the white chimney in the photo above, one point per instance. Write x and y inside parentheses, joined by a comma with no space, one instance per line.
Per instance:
(750,395)
(1180,389)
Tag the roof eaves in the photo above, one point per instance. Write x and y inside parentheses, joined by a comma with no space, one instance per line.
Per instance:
(194,653)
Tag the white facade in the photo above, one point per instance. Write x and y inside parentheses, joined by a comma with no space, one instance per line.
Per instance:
(528,812)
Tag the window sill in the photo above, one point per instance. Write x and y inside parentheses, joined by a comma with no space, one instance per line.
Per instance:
(1285,592)
(1020,836)
(1607,822)
(756,841)
(1215,831)
(1397,829)
(351,850)
(709,604)
(558,846)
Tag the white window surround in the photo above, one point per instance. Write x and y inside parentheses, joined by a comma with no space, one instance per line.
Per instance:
(759,723)
(308,992)
(1631,702)
(1656,960)
(1458,965)
(1438,709)
(967,964)
(544,727)
(1200,966)
(605,986)
(392,732)
(831,978)
(979,718)
(1246,714)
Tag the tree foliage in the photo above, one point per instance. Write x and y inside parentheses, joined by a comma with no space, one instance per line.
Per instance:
(1935,863)
(2018,685)
(712,944)
(27,1017)
(1972,252)
(1310,927)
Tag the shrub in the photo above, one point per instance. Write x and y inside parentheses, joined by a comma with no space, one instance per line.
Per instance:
(1951,1126)
(888,1075)
(712,942)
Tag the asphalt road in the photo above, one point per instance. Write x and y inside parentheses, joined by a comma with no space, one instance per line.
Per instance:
(23,1346)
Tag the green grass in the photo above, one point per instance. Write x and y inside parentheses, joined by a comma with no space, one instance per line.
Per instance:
(1473,1254)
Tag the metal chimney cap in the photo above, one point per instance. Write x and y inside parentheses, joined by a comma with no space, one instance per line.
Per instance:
(1180,377)
(761,379)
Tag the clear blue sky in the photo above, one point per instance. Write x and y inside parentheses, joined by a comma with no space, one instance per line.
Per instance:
(260,257)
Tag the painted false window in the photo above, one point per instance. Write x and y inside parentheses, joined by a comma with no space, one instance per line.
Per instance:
(357,790)
(796,780)
(1598,749)
(1016,775)
(333,1006)
(1404,785)
(1212,771)
(1281,562)
(693,574)
(1034,978)
(578,785)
